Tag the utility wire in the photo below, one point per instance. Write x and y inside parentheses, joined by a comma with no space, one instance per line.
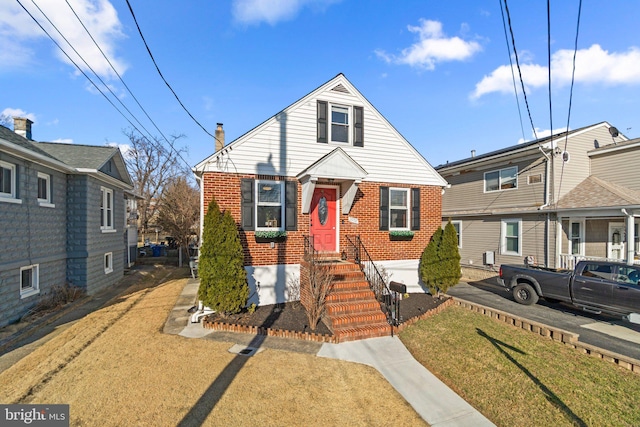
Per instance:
(513,76)
(161,76)
(573,74)
(515,53)
(88,66)
(78,67)
(126,86)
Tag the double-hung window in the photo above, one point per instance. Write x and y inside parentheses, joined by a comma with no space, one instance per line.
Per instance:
(576,239)
(511,236)
(269,212)
(457,225)
(44,190)
(8,191)
(502,179)
(106,209)
(343,124)
(29,281)
(399,208)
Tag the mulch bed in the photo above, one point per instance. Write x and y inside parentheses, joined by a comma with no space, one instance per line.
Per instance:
(292,316)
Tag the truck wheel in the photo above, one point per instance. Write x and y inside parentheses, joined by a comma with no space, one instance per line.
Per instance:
(525,294)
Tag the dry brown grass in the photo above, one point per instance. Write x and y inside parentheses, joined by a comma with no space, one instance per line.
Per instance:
(115,367)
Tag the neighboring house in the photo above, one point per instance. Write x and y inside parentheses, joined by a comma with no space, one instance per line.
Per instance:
(62,215)
(551,205)
(327,167)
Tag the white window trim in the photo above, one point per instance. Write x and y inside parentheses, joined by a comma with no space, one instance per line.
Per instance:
(105,214)
(459,233)
(35,288)
(281,204)
(108,263)
(570,237)
(349,124)
(503,236)
(12,196)
(45,203)
(407,208)
(484,181)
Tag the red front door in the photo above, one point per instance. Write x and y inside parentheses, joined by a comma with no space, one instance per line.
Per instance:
(323,219)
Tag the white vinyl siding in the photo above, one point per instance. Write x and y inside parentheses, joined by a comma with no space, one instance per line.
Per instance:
(287,144)
(269,205)
(511,241)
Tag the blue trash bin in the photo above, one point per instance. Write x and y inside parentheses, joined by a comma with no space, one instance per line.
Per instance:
(157,250)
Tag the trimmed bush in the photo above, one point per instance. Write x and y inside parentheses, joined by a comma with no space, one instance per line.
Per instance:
(440,261)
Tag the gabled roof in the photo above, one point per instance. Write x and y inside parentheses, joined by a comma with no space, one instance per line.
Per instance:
(270,134)
(593,193)
(336,164)
(79,156)
(542,142)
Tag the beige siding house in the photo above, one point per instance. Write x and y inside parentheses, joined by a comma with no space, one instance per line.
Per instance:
(550,201)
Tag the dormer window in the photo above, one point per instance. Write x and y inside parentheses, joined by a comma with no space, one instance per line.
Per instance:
(346,124)
(503,179)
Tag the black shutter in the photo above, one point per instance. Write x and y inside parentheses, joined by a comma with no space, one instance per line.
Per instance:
(358,129)
(384,208)
(291,206)
(247,211)
(322,121)
(415,209)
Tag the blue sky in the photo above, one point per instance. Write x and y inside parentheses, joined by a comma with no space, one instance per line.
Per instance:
(437,70)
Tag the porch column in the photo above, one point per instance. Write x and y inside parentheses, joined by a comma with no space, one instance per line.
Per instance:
(630,236)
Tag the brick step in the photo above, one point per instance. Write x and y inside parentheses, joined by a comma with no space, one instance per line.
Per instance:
(350,295)
(357,319)
(343,308)
(348,275)
(362,332)
(350,285)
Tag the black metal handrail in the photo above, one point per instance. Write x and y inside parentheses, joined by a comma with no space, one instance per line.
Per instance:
(376,280)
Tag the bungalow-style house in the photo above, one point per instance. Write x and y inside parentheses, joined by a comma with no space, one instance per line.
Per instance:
(331,171)
(550,201)
(62,215)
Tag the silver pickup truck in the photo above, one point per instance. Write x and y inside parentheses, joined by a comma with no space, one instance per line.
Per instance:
(594,286)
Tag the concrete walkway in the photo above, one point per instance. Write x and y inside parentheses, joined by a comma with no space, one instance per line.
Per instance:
(436,403)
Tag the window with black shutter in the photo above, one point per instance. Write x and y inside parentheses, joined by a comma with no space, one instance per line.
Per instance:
(247,208)
(322,121)
(415,209)
(384,208)
(358,128)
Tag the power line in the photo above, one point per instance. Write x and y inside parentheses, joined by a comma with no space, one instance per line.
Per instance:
(125,85)
(513,76)
(162,77)
(573,73)
(515,53)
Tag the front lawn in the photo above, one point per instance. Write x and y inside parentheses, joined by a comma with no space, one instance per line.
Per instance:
(517,378)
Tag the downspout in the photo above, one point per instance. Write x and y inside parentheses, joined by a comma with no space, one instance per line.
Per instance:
(547,202)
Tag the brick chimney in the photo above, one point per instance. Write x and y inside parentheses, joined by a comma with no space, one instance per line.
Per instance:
(219,137)
(22,126)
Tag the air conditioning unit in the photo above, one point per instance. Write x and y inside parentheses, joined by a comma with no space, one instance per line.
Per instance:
(489,258)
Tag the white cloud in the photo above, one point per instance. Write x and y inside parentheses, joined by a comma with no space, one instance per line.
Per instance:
(593,65)
(18,33)
(17,112)
(273,11)
(432,47)
(124,148)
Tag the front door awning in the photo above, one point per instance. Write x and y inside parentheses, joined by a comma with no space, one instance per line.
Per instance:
(336,166)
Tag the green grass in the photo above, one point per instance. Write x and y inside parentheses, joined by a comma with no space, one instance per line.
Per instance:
(518,378)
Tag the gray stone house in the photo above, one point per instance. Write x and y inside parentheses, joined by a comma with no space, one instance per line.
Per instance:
(62,216)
